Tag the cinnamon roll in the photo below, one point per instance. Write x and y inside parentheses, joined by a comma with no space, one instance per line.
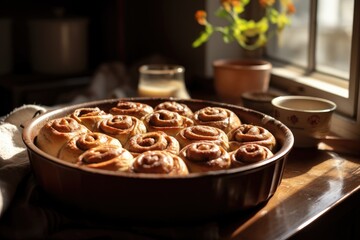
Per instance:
(135,109)
(107,157)
(180,108)
(248,133)
(55,133)
(71,150)
(221,118)
(202,133)
(205,156)
(89,116)
(122,127)
(151,141)
(164,120)
(249,153)
(159,162)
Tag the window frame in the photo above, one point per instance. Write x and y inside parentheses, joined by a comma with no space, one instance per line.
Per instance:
(294,80)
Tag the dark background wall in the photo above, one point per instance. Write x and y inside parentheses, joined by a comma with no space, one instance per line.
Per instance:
(127,31)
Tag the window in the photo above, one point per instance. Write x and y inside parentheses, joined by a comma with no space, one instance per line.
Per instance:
(319,55)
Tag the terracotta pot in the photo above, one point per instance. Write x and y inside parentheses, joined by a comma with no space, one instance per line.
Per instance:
(232,78)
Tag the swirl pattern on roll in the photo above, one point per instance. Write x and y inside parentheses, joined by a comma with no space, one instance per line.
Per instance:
(151,141)
(169,122)
(122,127)
(159,162)
(135,109)
(221,118)
(248,133)
(205,156)
(173,106)
(202,133)
(249,153)
(56,132)
(89,116)
(107,157)
(77,145)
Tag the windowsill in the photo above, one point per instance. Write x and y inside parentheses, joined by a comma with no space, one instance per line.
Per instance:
(333,85)
(344,122)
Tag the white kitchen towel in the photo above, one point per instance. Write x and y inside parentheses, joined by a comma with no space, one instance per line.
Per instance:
(14,162)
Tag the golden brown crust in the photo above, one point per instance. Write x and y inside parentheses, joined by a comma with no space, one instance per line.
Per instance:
(55,133)
(135,109)
(77,145)
(169,122)
(202,133)
(107,157)
(89,117)
(248,133)
(173,106)
(151,141)
(249,153)
(122,127)
(134,128)
(221,118)
(205,156)
(159,162)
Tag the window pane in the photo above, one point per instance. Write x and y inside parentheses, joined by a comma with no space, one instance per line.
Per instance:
(333,46)
(292,44)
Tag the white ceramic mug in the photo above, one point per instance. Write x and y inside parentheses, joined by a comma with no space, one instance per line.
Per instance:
(308,118)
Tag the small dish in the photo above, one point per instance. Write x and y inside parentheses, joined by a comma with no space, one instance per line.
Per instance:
(259,101)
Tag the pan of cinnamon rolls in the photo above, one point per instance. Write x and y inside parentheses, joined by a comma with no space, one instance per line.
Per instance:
(157,158)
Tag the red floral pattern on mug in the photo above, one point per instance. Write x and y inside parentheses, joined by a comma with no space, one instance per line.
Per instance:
(314,120)
(293,119)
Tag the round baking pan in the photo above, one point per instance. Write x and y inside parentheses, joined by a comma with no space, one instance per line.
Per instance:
(158,197)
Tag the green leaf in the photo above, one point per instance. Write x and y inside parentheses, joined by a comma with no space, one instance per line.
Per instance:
(273,16)
(222,13)
(204,36)
(245,2)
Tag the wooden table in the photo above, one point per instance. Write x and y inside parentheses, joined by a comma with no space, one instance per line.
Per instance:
(318,198)
(319,192)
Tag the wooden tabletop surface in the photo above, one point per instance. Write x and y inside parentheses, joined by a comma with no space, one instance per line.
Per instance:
(319,189)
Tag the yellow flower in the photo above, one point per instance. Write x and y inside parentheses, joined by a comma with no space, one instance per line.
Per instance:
(248,33)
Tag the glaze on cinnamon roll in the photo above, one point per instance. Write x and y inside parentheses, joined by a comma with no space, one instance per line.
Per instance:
(180,108)
(164,120)
(151,141)
(71,150)
(122,127)
(221,118)
(135,109)
(205,156)
(55,133)
(202,133)
(107,157)
(159,162)
(248,133)
(249,153)
(89,116)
